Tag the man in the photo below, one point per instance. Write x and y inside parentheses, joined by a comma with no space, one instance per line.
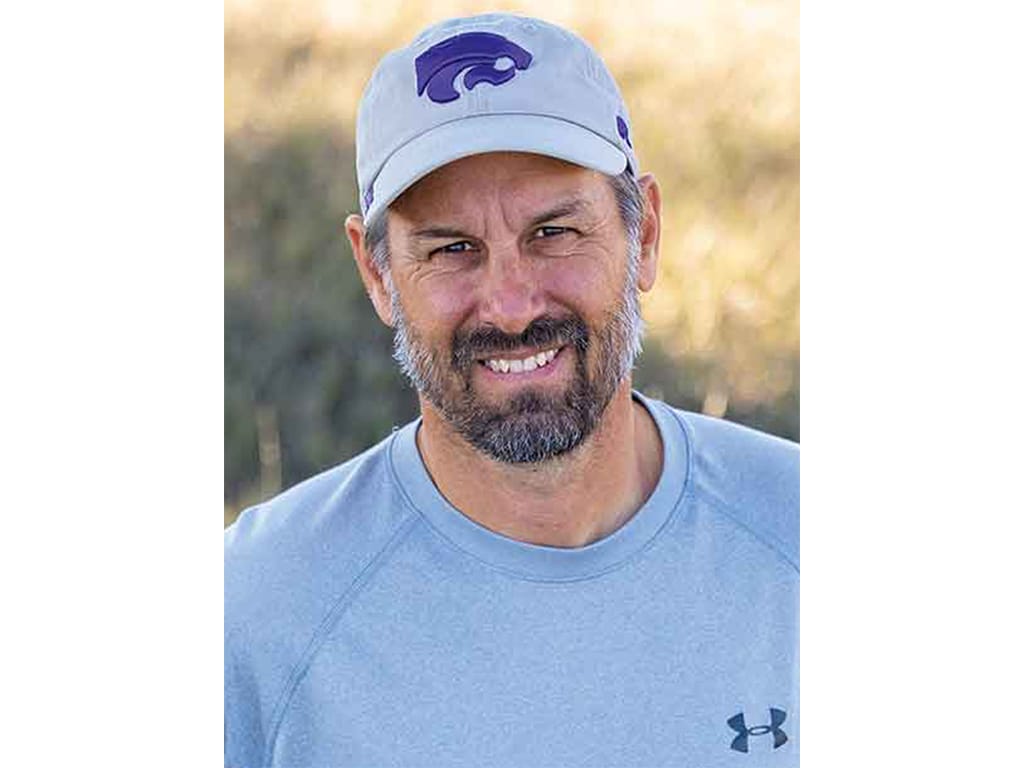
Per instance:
(546,568)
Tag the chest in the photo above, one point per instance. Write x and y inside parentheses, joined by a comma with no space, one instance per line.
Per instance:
(658,673)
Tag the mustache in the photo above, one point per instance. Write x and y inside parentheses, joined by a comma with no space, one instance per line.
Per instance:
(545,331)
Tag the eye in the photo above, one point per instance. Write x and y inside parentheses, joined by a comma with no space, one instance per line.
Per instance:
(463,246)
(548,232)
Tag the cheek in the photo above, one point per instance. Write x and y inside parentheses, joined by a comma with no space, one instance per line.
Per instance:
(440,304)
(581,286)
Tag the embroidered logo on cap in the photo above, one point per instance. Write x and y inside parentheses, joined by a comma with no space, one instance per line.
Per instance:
(439,65)
(623,130)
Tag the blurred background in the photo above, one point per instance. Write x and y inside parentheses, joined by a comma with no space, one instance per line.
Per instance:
(713,92)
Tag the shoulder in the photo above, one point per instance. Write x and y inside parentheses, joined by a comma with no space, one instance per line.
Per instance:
(316,535)
(749,476)
(290,564)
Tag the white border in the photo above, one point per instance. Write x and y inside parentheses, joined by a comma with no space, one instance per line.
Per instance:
(112,310)
(911,231)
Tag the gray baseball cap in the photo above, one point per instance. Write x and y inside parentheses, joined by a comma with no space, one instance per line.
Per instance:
(488,83)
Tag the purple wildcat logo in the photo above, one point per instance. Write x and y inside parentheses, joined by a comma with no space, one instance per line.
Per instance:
(437,67)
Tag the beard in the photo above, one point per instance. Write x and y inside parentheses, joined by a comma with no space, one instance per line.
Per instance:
(533,425)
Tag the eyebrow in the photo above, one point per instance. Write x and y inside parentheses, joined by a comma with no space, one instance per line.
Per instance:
(565,208)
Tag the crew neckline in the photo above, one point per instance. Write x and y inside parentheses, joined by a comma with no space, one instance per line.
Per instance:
(542,562)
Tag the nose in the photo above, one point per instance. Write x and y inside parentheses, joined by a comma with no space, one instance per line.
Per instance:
(510,294)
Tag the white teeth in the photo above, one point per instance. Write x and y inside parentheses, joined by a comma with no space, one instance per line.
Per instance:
(499,365)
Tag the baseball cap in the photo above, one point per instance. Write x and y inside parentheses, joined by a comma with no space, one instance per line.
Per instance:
(488,83)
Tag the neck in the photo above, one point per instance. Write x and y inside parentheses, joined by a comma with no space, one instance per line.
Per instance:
(569,501)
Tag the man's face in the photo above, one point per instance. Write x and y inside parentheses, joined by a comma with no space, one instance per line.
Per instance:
(514,300)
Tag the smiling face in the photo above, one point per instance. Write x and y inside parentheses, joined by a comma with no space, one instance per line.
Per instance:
(512,288)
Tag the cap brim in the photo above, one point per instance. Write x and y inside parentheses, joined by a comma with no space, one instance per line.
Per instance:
(491,133)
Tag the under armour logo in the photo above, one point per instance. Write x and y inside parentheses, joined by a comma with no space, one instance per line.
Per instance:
(439,65)
(738,724)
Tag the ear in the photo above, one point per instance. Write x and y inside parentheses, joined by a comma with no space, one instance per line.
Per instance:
(375,282)
(650,232)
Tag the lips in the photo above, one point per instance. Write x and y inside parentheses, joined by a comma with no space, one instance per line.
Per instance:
(493,349)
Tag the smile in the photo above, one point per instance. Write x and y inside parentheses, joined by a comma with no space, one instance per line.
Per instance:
(521,365)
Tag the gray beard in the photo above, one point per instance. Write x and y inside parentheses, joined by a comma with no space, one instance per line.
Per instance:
(530,427)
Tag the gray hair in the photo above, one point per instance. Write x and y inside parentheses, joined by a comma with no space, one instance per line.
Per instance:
(628,196)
